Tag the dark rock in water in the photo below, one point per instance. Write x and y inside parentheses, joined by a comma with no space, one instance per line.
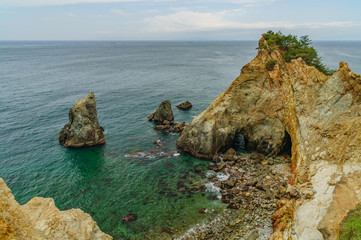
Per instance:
(185,105)
(166,122)
(83,128)
(212,197)
(203,210)
(217,168)
(161,127)
(129,217)
(168,230)
(169,165)
(163,113)
(230,155)
(179,127)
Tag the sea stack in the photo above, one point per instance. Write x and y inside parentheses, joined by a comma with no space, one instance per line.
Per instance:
(163,113)
(83,128)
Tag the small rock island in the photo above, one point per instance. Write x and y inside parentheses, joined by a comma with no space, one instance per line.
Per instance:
(83,129)
(163,113)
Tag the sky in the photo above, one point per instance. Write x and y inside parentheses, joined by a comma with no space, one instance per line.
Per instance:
(177,19)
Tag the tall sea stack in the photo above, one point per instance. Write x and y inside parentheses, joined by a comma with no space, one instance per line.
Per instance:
(83,128)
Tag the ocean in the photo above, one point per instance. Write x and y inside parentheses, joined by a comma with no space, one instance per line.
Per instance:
(39,82)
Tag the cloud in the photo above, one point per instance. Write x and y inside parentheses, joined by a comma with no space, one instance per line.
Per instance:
(118,12)
(184,21)
(187,21)
(27,3)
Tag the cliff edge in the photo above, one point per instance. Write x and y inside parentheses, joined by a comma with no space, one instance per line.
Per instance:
(273,104)
(41,219)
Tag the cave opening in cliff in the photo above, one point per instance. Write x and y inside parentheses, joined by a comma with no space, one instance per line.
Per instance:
(286,145)
(239,143)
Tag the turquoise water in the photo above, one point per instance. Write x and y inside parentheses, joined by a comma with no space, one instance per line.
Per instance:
(39,81)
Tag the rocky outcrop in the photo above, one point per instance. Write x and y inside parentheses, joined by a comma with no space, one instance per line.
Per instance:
(83,128)
(295,105)
(345,197)
(185,105)
(163,113)
(40,219)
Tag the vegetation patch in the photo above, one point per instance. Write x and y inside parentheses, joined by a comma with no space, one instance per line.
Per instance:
(291,48)
(350,228)
(271,64)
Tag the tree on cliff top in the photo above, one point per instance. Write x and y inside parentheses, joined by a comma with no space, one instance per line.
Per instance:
(293,48)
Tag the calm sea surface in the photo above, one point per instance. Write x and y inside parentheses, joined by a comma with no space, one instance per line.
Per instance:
(39,82)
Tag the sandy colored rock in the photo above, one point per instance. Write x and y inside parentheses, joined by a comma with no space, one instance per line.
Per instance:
(185,105)
(83,128)
(346,196)
(295,105)
(40,219)
(163,113)
(229,155)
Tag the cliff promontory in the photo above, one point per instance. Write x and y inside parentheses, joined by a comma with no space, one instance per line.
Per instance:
(83,128)
(40,219)
(276,103)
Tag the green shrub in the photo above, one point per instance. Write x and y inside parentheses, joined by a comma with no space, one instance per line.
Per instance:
(292,48)
(271,64)
(350,228)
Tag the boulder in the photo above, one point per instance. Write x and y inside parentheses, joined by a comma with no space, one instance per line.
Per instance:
(230,155)
(83,128)
(178,127)
(41,219)
(161,127)
(185,105)
(129,217)
(163,113)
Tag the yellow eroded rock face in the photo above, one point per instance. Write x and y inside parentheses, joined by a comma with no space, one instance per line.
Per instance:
(319,114)
(41,219)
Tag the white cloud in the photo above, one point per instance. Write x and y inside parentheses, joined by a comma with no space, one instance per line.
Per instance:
(26,3)
(118,12)
(187,21)
(183,21)
(23,3)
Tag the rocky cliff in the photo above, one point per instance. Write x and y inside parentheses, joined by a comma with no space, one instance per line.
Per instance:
(289,104)
(41,219)
(83,128)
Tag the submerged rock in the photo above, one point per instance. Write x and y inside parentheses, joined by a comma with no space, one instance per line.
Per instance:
(41,219)
(83,128)
(185,105)
(163,113)
(129,217)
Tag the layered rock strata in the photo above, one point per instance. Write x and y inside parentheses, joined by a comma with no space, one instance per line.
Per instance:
(294,105)
(83,128)
(40,219)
